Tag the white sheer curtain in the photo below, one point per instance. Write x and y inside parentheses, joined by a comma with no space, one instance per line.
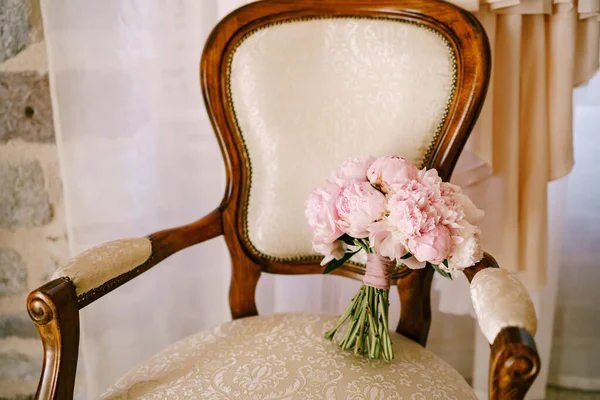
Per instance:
(138,155)
(575,358)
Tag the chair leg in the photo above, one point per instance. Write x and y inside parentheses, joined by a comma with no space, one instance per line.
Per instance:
(54,310)
(514,364)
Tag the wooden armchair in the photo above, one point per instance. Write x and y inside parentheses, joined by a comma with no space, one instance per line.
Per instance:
(292,89)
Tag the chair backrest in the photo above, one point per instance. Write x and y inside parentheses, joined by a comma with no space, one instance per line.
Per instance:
(295,87)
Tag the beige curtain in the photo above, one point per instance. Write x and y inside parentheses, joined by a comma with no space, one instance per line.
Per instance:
(541,50)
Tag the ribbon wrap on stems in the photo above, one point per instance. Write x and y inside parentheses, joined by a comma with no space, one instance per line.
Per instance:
(367,331)
(378,271)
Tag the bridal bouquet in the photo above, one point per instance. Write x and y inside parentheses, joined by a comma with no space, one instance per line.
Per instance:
(401,217)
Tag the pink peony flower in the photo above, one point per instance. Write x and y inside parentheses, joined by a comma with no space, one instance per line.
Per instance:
(411,208)
(321,213)
(457,200)
(358,206)
(412,212)
(330,250)
(386,171)
(432,246)
(466,251)
(413,263)
(429,177)
(354,169)
(385,243)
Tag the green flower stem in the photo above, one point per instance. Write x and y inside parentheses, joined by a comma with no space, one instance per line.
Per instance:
(388,353)
(348,340)
(367,332)
(347,314)
(373,336)
(362,244)
(359,346)
(350,337)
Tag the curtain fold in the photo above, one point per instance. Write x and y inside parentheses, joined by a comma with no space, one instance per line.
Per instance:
(541,50)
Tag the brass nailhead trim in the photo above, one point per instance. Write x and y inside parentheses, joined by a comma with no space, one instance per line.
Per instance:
(428,152)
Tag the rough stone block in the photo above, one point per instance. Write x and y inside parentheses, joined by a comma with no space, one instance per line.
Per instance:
(14,27)
(18,366)
(25,107)
(19,325)
(24,201)
(13,273)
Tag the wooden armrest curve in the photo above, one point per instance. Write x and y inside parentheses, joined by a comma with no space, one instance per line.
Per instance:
(514,360)
(54,311)
(514,364)
(54,307)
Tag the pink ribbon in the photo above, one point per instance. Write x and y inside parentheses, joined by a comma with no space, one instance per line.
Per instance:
(378,272)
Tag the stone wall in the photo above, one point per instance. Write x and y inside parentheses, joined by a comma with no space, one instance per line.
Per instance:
(33,238)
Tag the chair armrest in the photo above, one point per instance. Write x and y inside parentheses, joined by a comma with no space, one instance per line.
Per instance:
(54,307)
(500,300)
(508,321)
(98,265)
(104,268)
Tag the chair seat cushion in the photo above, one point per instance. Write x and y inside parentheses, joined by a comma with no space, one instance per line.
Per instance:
(284,356)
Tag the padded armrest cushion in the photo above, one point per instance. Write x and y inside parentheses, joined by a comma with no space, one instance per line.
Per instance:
(500,300)
(104,262)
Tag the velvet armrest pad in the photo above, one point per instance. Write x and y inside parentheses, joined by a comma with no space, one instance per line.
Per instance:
(500,300)
(104,262)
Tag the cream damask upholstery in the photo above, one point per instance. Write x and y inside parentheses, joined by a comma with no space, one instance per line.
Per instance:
(285,357)
(500,300)
(101,263)
(309,94)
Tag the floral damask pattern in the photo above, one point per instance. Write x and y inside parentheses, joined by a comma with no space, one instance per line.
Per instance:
(101,263)
(310,94)
(285,357)
(500,300)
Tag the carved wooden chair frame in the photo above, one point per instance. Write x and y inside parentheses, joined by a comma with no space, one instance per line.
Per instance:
(55,306)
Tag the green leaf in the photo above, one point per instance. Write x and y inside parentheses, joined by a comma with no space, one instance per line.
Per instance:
(407,255)
(334,264)
(347,239)
(445,262)
(440,271)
